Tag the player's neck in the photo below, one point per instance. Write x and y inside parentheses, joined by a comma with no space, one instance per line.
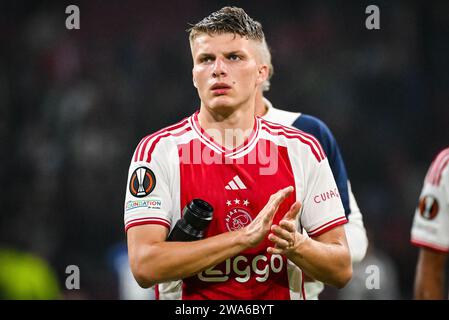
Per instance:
(228,128)
(261,108)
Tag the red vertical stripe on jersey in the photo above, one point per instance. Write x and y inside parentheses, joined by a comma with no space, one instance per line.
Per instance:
(233,209)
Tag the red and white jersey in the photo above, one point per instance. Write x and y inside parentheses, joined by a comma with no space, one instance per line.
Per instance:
(182,162)
(431,223)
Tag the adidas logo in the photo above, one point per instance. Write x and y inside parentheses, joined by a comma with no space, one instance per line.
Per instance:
(235,184)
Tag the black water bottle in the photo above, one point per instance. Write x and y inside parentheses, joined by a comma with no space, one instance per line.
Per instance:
(196,216)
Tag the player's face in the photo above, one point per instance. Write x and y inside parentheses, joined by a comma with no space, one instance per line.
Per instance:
(226,71)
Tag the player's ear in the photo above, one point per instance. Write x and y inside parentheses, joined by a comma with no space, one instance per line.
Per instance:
(194,81)
(262,73)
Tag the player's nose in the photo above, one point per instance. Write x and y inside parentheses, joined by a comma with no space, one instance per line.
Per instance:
(219,68)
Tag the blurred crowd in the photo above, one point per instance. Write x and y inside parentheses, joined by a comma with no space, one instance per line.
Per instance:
(75,103)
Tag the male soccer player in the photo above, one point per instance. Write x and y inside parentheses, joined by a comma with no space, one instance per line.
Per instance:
(430,230)
(266,183)
(355,230)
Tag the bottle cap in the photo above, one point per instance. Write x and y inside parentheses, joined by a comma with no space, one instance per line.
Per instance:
(198,213)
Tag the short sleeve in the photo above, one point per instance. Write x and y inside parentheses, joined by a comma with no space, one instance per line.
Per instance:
(430,227)
(324,135)
(322,206)
(148,199)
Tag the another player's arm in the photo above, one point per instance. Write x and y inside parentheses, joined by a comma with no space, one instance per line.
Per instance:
(430,232)
(429,279)
(154,260)
(325,258)
(355,232)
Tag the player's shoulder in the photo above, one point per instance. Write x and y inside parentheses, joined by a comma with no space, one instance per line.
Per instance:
(304,122)
(438,168)
(164,139)
(442,156)
(293,137)
(276,128)
(284,117)
(313,125)
(179,128)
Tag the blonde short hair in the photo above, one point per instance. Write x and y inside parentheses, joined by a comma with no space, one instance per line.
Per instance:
(235,20)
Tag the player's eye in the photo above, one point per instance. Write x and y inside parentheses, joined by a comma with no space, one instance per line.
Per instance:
(206,59)
(234,57)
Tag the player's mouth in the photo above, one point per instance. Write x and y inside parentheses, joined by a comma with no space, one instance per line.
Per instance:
(220,88)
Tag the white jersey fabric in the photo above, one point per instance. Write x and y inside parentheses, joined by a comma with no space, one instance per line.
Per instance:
(431,221)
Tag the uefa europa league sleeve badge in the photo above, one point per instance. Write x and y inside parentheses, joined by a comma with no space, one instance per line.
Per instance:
(142,182)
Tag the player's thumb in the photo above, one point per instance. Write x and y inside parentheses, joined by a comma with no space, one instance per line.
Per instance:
(293,213)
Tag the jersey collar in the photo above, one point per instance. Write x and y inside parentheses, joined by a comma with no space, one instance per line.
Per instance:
(232,153)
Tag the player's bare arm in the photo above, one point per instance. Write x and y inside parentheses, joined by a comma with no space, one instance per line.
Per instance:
(325,257)
(154,260)
(430,271)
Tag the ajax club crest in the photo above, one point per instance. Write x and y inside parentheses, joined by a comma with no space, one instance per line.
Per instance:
(238,215)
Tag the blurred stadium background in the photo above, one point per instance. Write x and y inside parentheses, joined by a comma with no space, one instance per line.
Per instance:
(75,103)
